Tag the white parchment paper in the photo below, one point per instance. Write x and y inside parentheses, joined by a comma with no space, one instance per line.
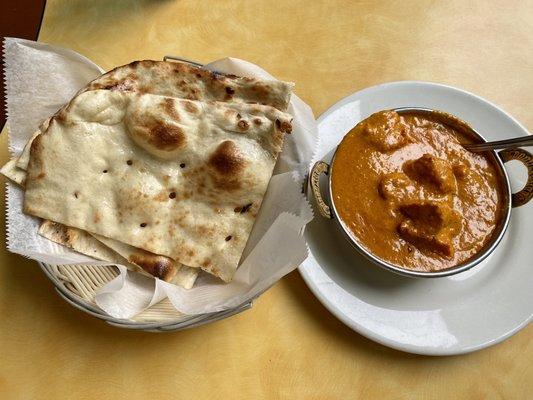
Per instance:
(41,78)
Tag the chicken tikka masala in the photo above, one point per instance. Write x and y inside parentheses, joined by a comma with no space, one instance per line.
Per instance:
(407,190)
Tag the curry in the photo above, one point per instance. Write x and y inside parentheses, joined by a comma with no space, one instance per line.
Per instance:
(407,190)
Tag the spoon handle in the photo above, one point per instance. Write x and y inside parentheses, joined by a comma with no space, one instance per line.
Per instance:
(501,144)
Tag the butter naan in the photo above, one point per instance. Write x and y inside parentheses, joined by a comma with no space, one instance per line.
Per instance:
(99,247)
(115,252)
(106,249)
(176,79)
(179,178)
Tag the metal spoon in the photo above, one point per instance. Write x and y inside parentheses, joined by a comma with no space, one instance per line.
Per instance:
(501,144)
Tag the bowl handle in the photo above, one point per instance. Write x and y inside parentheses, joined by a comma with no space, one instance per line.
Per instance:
(523,196)
(319,168)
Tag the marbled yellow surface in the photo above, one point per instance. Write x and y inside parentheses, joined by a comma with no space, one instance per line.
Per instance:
(288,345)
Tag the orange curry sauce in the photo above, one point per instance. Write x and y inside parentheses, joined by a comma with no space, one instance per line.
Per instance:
(412,195)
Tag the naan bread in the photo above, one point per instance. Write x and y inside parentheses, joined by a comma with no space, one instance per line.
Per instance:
(80,241)
(24,158)
(180,178)
(159,266)
(175,79)
(107,250)
(189,82)
(11,171)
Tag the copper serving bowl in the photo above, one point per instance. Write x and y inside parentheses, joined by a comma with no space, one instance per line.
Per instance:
(326,206)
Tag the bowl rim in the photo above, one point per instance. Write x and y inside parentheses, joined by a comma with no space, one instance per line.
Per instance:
(465,266)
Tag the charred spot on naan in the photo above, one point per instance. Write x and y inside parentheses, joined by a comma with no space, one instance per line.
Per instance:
(124,85)
(227,160)
(206,230)
(243,209)
(166,136)
(243,125)
(154,134)
(261,90)
(62,233)
(284,126)
(61,115)
(190,107)
(169,107)
(148,128)
(159,266)
(192,93)
(230,91)
(185,69)
(226,165)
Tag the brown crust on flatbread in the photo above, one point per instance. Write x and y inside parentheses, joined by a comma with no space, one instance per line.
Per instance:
(168,105)
(141,261)
(123,85)
(284,126)
(190,107)
(35,164)
(64,235)
(166,137)
(243,125)
(153,130)
(226,159)
(80,241)
(189,82)
(159,266)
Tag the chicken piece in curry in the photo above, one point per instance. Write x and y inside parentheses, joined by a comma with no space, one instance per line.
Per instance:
(407,191)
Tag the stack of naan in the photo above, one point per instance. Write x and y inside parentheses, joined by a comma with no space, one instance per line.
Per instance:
(159,166)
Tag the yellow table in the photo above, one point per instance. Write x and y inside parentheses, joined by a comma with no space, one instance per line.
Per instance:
(288,345)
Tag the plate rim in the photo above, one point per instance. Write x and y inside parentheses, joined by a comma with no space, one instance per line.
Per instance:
(356,326)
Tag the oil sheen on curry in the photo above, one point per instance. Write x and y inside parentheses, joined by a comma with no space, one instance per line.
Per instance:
(412,195)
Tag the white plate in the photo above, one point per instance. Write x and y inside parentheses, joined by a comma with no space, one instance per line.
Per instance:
(439,316)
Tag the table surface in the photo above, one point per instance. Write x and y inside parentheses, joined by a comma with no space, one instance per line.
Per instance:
(288,345)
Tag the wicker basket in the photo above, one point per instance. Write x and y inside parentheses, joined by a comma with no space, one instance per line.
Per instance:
(77,284)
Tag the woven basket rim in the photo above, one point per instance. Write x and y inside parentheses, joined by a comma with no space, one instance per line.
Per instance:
(168,325)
